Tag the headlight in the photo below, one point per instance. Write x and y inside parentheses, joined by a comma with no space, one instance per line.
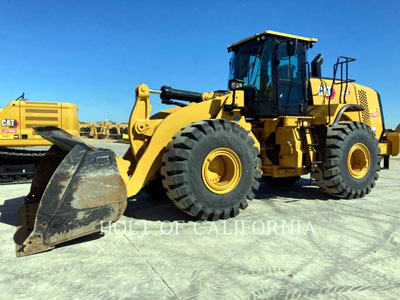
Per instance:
(235,84)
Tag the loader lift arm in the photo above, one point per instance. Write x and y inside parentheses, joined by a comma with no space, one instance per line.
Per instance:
(150,136)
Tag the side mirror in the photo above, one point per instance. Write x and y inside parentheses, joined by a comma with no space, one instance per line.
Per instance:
(291,45)
(316,66)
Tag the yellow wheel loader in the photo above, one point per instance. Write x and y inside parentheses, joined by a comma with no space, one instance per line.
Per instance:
(278,120)
(115,130)
(88,130)
(84,129)
(124,128)
(18,118)
(102,130)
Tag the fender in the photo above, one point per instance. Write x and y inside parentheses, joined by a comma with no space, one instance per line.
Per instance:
(347,107)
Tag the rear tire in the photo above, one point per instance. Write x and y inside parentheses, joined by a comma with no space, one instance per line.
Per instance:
(352,161)
(190,183)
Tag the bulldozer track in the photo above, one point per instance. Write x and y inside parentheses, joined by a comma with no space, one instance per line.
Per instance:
(11,157)
(20,153)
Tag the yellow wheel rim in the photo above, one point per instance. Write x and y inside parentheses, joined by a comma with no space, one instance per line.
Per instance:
(358,160)
(221,170)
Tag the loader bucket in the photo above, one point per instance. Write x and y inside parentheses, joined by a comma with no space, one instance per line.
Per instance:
(76,189)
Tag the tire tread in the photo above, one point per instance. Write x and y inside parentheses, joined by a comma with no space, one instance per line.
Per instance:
(328,177)
(175,168)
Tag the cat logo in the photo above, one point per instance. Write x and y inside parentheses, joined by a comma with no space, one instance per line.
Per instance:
(9,123)
(326,91)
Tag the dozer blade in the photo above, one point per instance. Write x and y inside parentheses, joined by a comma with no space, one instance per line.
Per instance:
(76,188)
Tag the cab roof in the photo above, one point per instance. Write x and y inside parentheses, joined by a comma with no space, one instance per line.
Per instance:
(275,33)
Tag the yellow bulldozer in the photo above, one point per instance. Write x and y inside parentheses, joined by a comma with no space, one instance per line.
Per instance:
(279,119)
(18,118)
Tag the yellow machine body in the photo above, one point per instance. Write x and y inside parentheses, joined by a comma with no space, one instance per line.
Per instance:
(19,118)
(149,135)
(371,115)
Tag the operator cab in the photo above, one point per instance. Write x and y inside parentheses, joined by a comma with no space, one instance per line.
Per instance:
(271,68)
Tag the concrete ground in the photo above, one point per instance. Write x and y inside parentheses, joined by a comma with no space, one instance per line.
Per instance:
(290,243)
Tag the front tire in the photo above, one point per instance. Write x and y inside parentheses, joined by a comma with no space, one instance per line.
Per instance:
(352,161)
(211,169)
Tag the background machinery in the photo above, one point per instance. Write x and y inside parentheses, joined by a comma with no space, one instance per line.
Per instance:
(18,118)
(101,130)
(116,130)
(111,130)
(87,130)
(279,119)
(104,130)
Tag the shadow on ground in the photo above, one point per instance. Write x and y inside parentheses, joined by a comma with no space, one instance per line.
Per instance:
(144,207)
(9,210)
(301,190)
(83,239)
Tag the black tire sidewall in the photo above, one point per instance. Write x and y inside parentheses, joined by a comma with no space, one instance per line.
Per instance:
(208,143)
(363,137)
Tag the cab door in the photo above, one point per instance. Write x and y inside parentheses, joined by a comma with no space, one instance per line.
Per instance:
(290,78)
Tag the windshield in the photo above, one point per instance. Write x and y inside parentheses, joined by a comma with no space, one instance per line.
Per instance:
(251,62)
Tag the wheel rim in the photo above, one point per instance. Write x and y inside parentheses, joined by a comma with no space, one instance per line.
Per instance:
(221,170)
(358,160)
